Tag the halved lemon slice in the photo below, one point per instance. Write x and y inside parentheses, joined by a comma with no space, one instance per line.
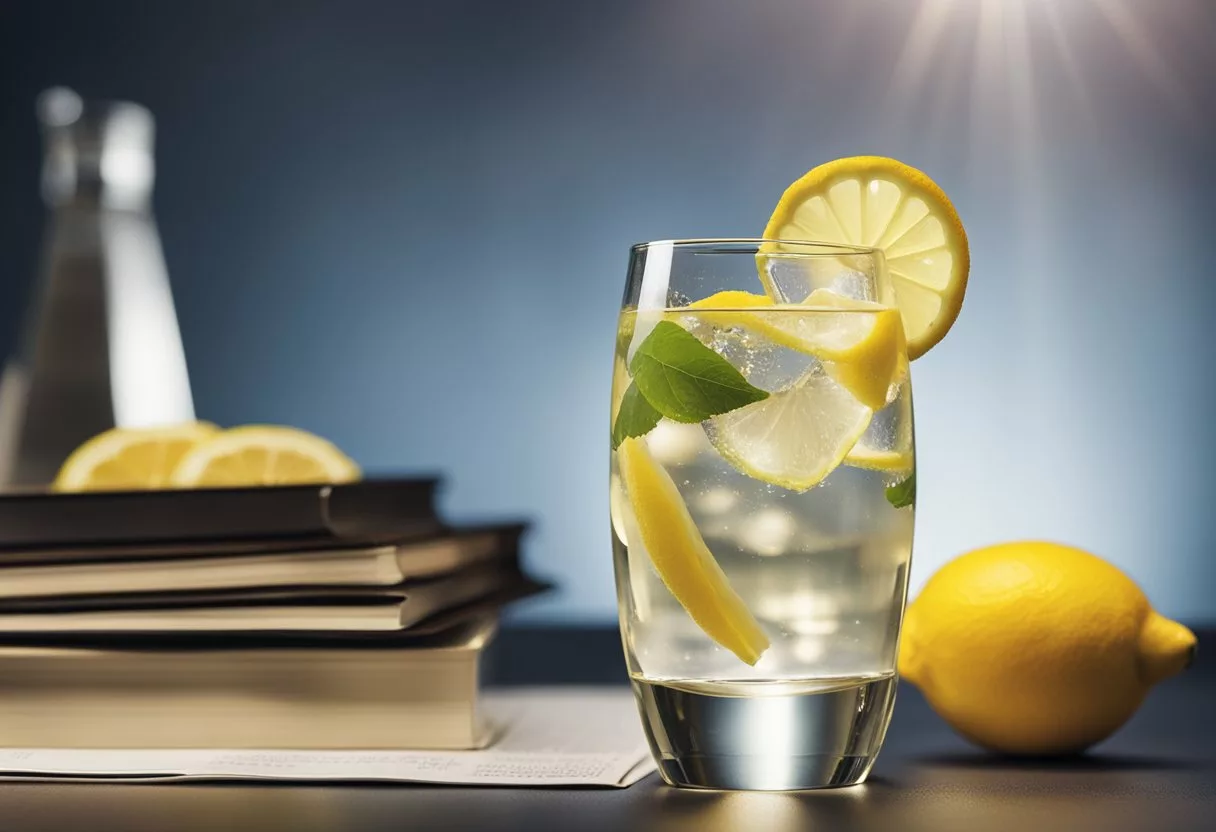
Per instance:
(795,437)
(130,459)
(882,203)
(682,559)
(263,455)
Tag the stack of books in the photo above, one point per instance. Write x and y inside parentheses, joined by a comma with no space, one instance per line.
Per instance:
(344,616)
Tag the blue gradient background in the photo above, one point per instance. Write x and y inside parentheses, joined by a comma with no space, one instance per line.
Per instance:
(404,226)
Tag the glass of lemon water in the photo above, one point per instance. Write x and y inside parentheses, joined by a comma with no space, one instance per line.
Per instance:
(762,491)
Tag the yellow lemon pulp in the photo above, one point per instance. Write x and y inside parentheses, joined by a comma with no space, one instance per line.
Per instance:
(125,459)
(681,558)
(263,455)
(796,437)
(882,203)
(1037,648)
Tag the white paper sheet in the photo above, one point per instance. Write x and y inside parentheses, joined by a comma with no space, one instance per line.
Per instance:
(544,737)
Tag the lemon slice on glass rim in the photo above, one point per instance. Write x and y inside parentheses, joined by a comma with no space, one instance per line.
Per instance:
(861,201)
(876,202)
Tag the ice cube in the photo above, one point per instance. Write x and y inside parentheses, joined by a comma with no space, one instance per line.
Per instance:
(791,279)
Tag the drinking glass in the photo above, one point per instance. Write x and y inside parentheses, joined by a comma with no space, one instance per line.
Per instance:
(762,490)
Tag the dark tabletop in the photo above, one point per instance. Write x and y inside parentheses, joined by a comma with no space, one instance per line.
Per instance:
(1158,773)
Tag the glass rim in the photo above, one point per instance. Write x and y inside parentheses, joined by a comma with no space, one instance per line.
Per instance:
(732,245)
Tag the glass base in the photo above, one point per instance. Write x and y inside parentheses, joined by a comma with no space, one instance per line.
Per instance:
(766,736)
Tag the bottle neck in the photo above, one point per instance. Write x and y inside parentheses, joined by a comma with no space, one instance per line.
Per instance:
(98,154)
(96,178)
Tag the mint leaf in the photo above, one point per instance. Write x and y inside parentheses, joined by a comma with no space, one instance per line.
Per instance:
(685,380)
(635,417)
(903,493)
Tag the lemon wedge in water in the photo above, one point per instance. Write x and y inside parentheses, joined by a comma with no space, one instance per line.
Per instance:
(887,460)
(862,345)
(886,445)
(870,364)
(682,559)
(795,437)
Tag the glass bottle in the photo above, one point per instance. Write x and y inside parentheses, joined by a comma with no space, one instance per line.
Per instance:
(101,345)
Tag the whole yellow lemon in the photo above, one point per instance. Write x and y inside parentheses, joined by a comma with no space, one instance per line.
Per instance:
(1037,648)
